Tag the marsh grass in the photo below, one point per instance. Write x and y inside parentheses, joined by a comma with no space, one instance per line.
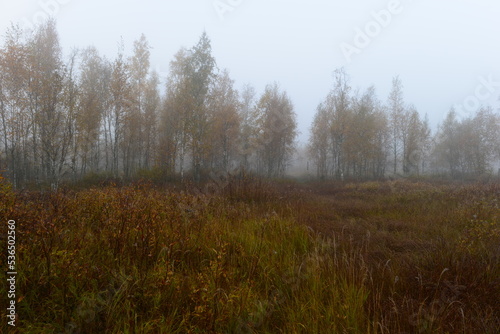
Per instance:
(258,257)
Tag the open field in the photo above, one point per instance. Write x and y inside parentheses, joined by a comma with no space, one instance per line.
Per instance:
(284,257)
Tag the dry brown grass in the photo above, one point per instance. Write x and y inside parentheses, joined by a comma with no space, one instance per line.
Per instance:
(258,257)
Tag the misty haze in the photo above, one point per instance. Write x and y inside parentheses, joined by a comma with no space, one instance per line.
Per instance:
(223,166)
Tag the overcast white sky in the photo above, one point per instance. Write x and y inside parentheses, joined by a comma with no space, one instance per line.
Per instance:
(440,48)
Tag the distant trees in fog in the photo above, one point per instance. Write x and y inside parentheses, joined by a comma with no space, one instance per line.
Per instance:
(86,115)
(355,135)
(67,118)
(468,146)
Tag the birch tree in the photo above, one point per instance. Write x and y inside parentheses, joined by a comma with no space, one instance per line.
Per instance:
(224,122)
(276,130)
(50,141)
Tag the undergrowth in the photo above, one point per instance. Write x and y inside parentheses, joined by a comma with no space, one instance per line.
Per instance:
(256,257)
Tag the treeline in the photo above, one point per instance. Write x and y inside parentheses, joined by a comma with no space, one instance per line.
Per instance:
(65,118)
(355,135)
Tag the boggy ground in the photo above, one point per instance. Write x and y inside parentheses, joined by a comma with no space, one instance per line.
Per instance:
(258,257)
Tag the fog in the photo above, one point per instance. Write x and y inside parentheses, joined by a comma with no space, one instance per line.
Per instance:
(441,50)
